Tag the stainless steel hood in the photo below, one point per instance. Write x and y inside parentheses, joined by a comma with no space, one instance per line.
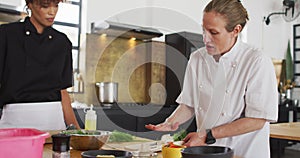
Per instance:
(10,14)
(124,30)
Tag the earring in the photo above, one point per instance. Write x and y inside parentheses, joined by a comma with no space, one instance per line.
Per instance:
(27,9)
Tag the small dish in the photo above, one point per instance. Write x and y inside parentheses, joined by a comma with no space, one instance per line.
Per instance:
(145,147)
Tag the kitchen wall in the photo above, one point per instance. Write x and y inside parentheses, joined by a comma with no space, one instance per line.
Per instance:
(171,16)
(176,16)
(13,3)
(137,67)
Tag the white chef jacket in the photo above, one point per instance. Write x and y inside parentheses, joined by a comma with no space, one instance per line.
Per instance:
(242,84)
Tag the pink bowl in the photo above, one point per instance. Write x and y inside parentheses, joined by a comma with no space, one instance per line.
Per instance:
(22,142)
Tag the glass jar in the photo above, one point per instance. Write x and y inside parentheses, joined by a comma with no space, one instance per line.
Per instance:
(61,146)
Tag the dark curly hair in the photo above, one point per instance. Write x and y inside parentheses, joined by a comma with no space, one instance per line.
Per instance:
(43,1)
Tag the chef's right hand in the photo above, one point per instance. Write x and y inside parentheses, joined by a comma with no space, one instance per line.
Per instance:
(165,126)
(195,139)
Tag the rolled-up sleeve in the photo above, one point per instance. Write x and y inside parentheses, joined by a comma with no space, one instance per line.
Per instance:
(261,94)
(187,92)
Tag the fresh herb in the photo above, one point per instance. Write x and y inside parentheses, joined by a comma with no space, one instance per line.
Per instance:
(81,132)
(180,135)
(117,136)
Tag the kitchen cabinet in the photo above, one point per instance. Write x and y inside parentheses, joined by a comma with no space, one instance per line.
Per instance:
(109,119)
(179,47)
(115,118)
(287,111)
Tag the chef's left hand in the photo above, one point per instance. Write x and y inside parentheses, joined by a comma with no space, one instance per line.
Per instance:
(195,139)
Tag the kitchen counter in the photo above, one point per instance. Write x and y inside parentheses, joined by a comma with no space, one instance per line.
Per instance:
(47,153)
(280,133)
(287,131)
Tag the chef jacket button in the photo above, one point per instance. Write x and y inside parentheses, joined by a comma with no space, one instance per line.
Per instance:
(227,91)
(50,37)
(200,109)
(223,113)
(27,32)
(233,64)
(201,86)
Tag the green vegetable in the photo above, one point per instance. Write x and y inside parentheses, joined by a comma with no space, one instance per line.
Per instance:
(289,63)
(117,136)
(81,132)
(180,135)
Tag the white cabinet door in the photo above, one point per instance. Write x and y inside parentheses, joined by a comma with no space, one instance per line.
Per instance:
(15,3)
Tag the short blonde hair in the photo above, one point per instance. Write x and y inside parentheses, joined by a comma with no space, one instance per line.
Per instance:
(232,10)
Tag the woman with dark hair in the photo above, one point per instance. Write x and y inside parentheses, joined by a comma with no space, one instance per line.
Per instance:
(35,70)
(229,87)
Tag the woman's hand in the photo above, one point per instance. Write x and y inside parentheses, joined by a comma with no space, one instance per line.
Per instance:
(165,126)
(195,139)
(180,115)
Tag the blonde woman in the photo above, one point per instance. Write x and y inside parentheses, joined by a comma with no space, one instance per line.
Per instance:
(229,87)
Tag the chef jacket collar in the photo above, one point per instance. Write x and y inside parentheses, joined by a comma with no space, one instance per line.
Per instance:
(30,27)
(230,56)
(232,53)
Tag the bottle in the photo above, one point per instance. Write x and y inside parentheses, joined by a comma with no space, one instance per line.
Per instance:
(61,146)
(75,82)
(90,119)
(80,82)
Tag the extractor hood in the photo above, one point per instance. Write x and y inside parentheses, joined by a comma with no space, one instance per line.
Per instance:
(10,14)
(124,30)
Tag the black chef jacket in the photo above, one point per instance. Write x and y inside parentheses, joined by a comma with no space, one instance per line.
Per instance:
(33,67)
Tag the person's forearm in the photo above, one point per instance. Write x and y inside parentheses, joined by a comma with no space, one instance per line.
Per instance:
(238,127)
(69,115)
(182,114)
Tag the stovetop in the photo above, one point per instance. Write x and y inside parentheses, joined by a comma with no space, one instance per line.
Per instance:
(123,105)
(127,105)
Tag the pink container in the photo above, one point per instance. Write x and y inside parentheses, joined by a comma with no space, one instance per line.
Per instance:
(22,142)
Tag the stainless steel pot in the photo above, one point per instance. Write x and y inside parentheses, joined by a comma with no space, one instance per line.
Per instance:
(108,92)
